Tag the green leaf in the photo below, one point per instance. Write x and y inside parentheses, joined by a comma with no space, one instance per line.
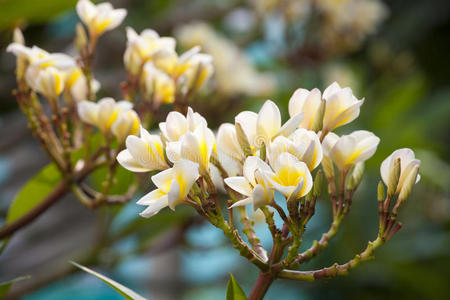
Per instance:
(32,11)
(34,191)
(5,286)
(234,291)
(123,290)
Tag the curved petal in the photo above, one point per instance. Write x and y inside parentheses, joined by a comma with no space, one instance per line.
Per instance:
(239,184)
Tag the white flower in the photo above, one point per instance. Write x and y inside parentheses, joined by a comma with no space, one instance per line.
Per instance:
(196,146)
(341,107)
(356,147)
(303,144)
(102,114)
(173,185)
(41,58)
(47,81)
(143,154)
(101,17)
(147,46)
(261,128)
(158,85)
(252,184)
(308,103)
(127,123)
(195,68)
(291,177)
(407,164)
(177,125)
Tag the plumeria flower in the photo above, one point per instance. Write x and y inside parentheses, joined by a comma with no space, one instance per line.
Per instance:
(303,144)
(308,103)
(127,124)
(143,154)
(42,58)
(75,84)
(195,68)
(196,146)
(408,163)
(147,46)
(261,128)
(101,17)
(173,185)
(253,184)
(341,107)
(158,85)
(104,113)
(227,142)
(356,147)
(291,177)
(177,125)
(47,81)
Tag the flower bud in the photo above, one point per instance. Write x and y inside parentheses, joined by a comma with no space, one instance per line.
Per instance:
(380,192)
(394,177)
(407,164)
(21,60)
(328,168)
(317,184)
(81,40)
(356,176)
(318,120)
(408,184)
(242,139)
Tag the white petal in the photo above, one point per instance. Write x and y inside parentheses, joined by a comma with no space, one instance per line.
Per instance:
(128,162)
(151,197)
(174,197)
(155,207)
(242,202)
(248,120)
(269,120)
(239,184)
(163,180)
(88,112)
(289,127)
(331,90)
(186,173)
(251,164)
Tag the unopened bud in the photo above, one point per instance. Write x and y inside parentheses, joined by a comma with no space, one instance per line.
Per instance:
(318,184)
(356,176)
(318,119)
(328,168)
(380,194)
(394,177)
(408,184)
(21,63)
(81,40)
(18,36)
(243,140)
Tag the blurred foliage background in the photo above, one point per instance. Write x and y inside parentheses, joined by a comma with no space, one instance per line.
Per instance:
(395,54)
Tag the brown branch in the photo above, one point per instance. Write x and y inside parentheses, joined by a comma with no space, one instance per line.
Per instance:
(58,192)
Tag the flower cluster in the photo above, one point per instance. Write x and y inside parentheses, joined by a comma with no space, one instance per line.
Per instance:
(153,64)
(259,155)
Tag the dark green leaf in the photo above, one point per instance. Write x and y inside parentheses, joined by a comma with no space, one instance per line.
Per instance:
(234,291)
(123,290)
(32,11)
(5,286)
